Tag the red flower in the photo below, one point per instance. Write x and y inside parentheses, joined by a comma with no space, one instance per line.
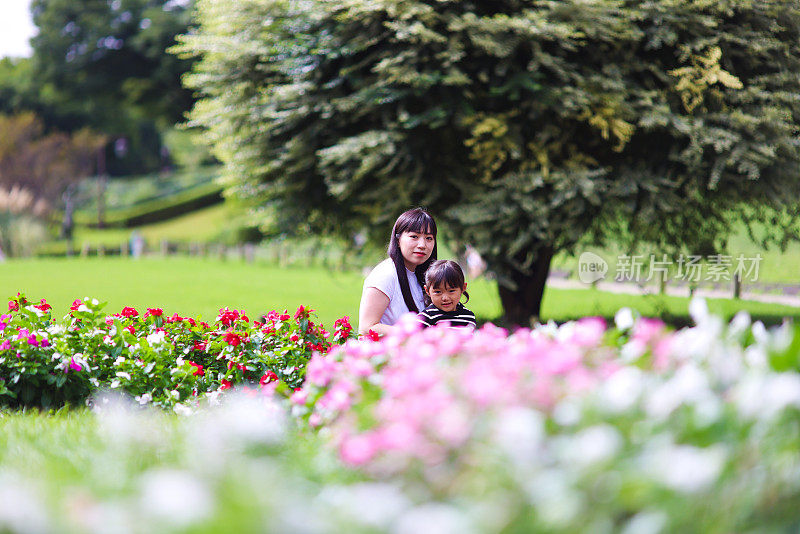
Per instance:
(76,304)
(199,346)
(268,377)
(284,316)
(12,305)
(43,306)
(295,337)
(198,371)
(302,312)
(130,329)
(373,335)
(343,329)
(226,316)
(225,384)
(129,312)
(242,367)
(232,338)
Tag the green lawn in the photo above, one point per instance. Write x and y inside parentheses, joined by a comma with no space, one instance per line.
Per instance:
(776,266)
(200,226)
(199,287)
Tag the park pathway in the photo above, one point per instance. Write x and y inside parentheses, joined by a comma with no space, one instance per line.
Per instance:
(634,289)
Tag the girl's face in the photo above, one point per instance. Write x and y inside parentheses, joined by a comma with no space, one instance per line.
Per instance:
(445,298)
(416,248)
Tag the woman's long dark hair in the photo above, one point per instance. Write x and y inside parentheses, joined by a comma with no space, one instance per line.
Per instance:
(415,220)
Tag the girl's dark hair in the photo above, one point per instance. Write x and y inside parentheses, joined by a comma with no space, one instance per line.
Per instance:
(444,273)
(414,220)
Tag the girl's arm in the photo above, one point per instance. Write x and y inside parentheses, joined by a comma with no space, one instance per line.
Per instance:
(373,303)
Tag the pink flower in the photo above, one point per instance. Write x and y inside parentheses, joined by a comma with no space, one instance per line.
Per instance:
(357,450)
(32,340)
(225,384)
(300,397)
(129,312)
(75,366)
(43,306)
(5,345)
(320,370)
(76,304)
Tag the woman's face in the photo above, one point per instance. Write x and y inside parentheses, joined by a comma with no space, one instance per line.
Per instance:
(416,248)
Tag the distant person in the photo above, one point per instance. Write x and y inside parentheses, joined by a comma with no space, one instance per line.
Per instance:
(444,286)
(475,264)
(394,287)
(137,244)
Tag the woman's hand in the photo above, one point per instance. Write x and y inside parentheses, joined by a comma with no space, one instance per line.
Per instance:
(373,304)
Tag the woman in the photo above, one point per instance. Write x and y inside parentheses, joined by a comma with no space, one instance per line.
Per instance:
(394,287)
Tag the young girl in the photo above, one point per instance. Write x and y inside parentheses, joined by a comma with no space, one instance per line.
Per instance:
(444,285)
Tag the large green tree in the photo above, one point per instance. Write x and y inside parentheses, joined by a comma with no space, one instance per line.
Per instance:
(526,125)
(105,61)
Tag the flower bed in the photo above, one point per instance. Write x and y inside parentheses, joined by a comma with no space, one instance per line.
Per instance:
(158,359)
(571,428)
(576,428)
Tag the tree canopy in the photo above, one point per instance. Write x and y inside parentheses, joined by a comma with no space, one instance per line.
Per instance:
(526,125)
(103,64)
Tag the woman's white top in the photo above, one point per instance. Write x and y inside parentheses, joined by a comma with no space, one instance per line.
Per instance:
(384,278)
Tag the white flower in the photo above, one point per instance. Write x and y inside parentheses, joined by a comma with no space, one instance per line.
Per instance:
(621,390)
(37,311)
(95,302)
(175,497)
(646,522)
(684,467)
(144,398)
(698,309)
(519,433)
(83,308)
(123,374)
(369,503)
(21,507)
(156,338)
(182,409)
(175,394)
(688,386)
(433,518)
(55,329)
(589,446)
(624,318)
(120,360)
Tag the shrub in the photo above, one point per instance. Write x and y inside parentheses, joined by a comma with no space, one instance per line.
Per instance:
(167,361)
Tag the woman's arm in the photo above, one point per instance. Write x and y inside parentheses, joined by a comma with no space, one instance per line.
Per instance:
(373,303)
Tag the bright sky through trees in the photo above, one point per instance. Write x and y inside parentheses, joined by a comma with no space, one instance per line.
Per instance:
(16,28)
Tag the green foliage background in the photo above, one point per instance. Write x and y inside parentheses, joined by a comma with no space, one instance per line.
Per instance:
(526,125)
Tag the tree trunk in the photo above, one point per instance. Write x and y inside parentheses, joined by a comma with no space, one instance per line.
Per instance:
(522,304)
